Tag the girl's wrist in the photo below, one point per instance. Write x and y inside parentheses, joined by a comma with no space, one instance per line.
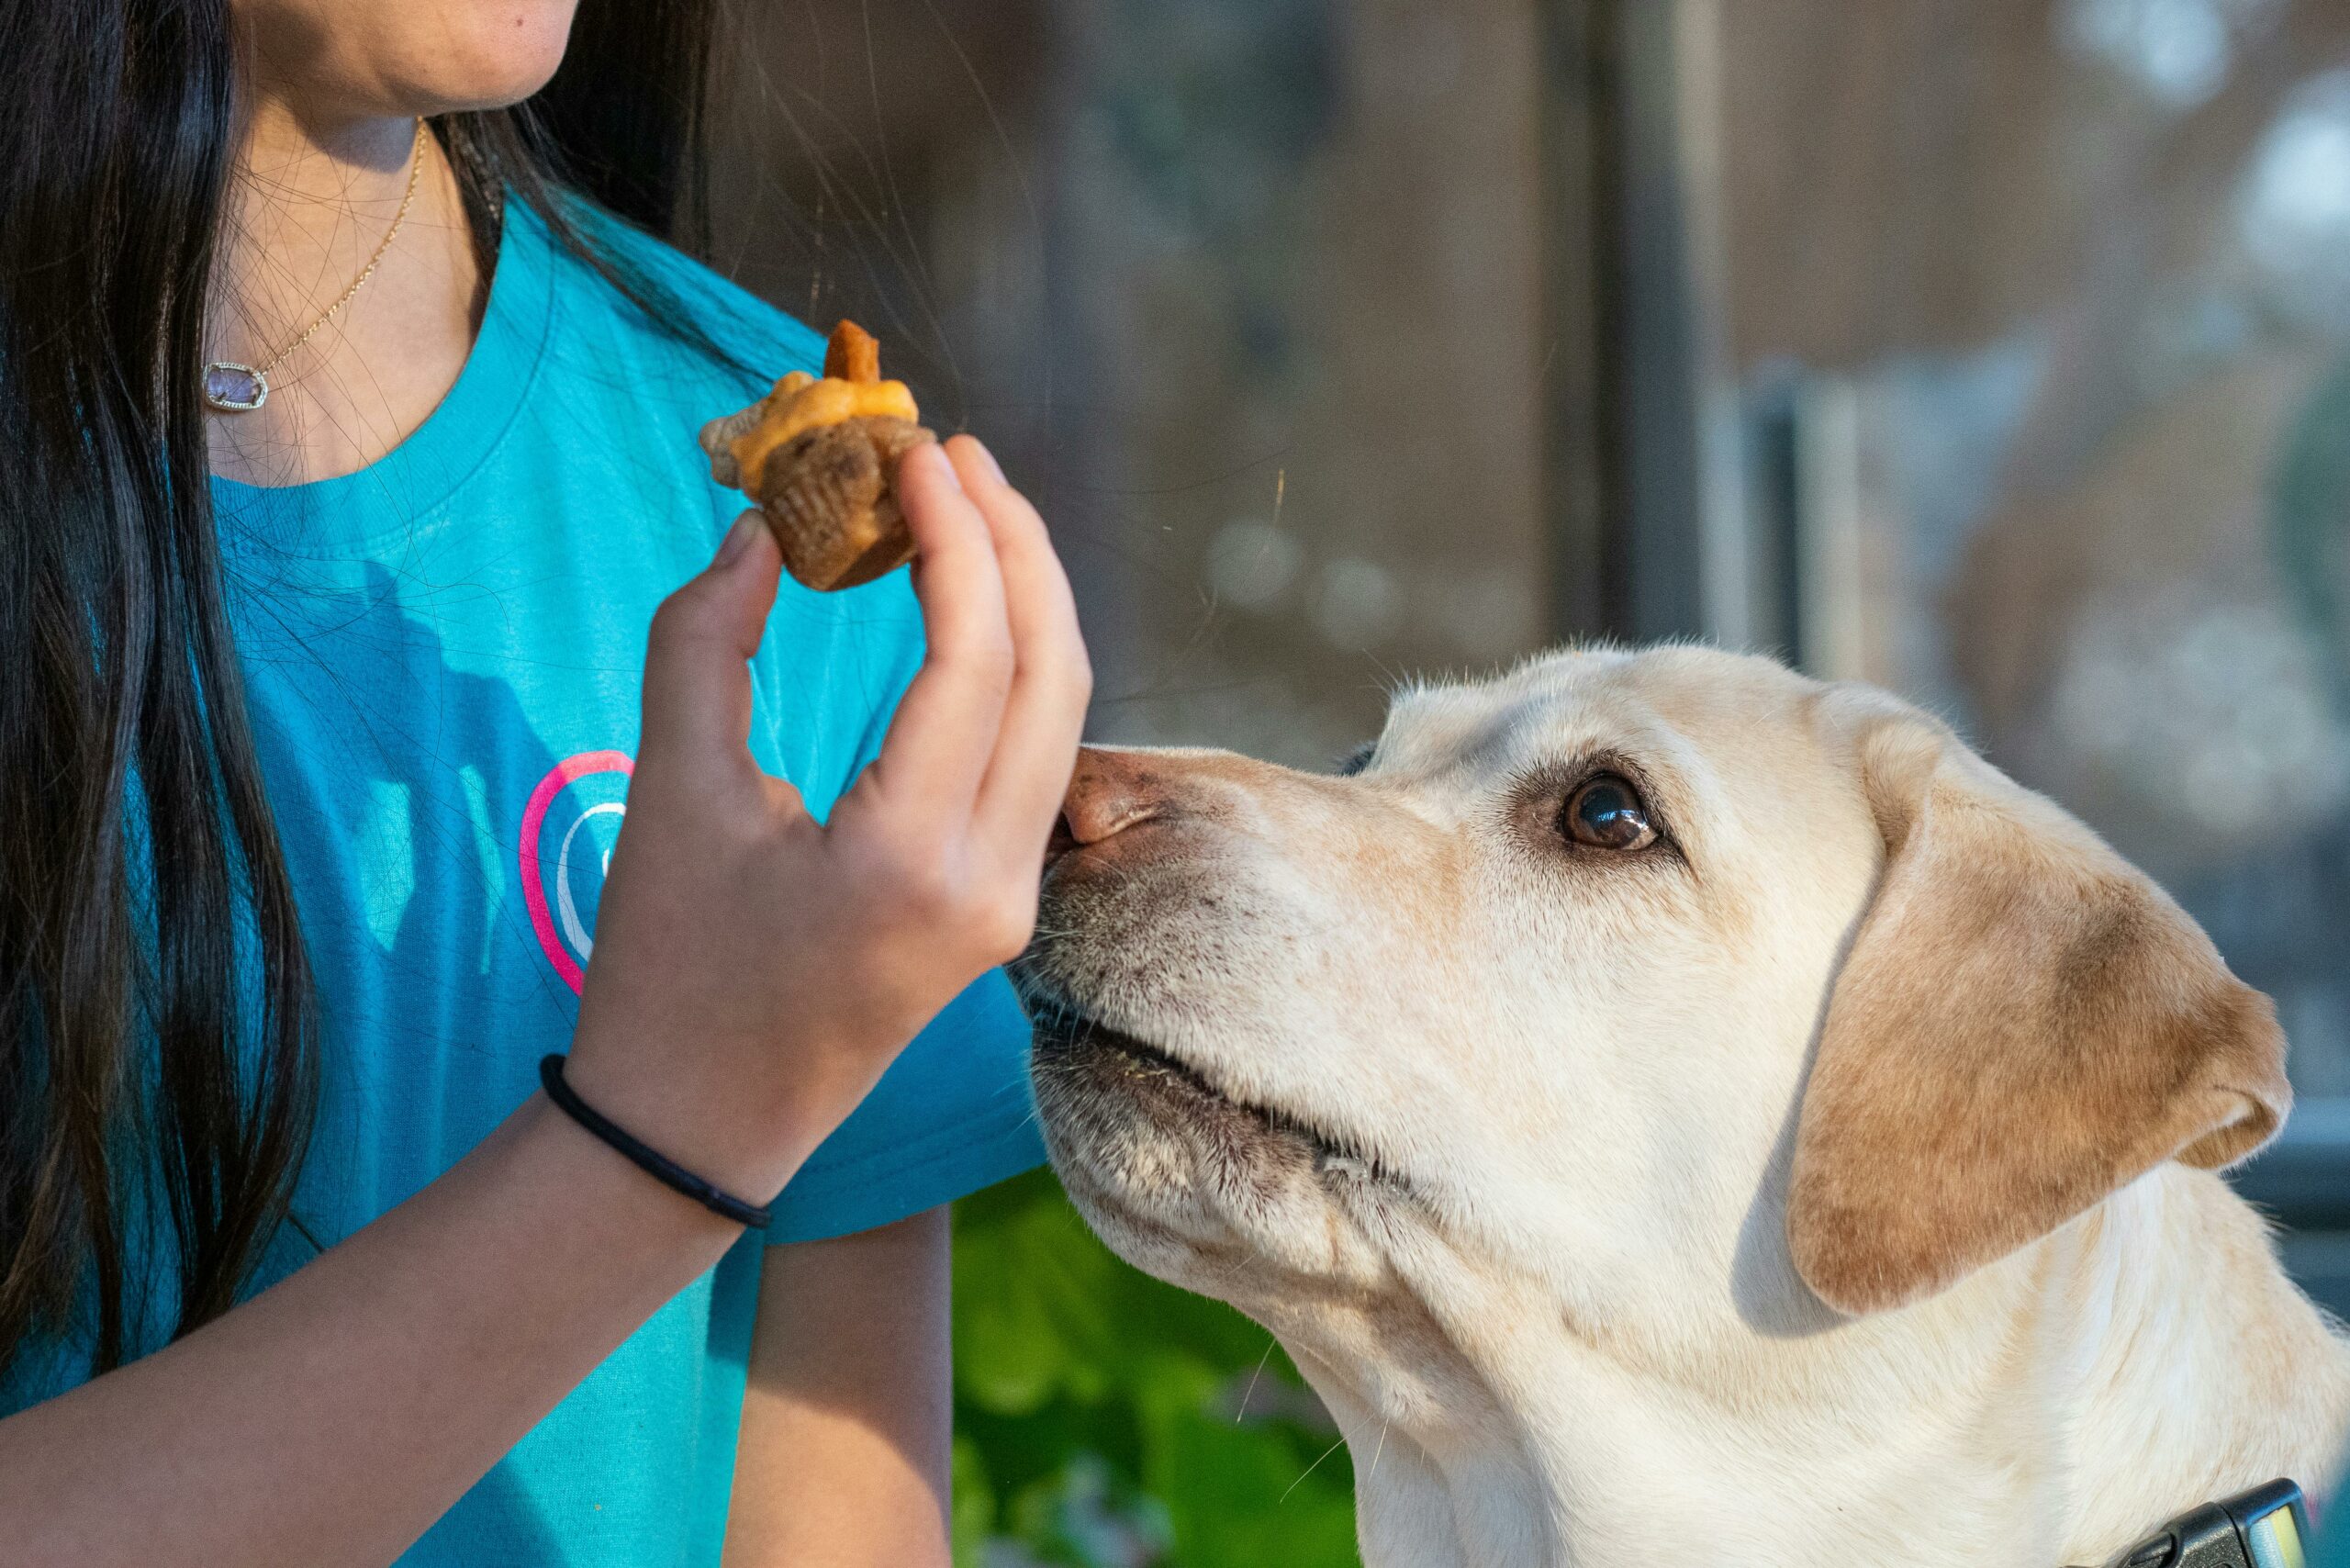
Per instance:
(747,1139)
(595,1186)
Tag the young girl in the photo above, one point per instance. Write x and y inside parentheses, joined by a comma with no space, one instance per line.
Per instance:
(361,572)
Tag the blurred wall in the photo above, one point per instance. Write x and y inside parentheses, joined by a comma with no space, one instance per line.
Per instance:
(1246,291)
(2066,284)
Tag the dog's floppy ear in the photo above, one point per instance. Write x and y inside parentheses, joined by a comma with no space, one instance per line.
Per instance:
(2023,1024)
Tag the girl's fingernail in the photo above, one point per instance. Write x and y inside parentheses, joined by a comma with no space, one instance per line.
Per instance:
(938,459)
(737,540)
(993,467)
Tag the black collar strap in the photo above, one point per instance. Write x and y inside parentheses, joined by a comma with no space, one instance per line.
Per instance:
(2265,1527)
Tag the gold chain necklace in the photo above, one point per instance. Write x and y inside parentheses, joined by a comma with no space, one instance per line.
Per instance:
(232,387)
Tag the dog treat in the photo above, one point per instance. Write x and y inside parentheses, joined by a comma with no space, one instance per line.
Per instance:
(819,458)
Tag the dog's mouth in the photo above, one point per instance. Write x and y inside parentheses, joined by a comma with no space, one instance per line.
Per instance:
(1076,1053)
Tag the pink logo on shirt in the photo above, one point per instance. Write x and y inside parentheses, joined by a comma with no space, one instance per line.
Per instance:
(562,935)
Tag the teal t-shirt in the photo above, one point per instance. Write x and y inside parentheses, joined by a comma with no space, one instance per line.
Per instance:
(442,654)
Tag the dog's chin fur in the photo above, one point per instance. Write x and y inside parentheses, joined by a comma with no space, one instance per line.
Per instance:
(1199,1187)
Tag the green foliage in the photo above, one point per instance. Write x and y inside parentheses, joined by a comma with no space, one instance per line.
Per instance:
(1105,1420)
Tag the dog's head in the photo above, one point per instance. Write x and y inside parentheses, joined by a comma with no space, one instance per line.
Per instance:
(1673,982)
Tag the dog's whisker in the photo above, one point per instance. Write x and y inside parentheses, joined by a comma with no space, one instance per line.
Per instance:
(1310,1469)
(1241,1413)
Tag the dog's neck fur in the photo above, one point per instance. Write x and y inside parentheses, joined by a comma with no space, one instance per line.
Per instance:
(2167,1297)
(2015,1435)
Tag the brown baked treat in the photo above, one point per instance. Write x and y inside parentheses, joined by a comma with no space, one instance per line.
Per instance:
(819,459)
(831,504)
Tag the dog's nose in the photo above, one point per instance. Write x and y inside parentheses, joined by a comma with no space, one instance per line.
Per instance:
(1110,792)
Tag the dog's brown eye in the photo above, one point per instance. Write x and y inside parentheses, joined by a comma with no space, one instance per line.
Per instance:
(1606,812)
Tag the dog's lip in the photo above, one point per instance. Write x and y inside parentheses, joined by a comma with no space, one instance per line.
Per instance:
(1062,1023)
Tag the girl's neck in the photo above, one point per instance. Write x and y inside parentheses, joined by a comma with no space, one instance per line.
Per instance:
(309,201)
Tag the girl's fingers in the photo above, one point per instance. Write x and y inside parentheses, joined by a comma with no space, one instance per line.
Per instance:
(1043,717)
(943,732)
(697,673)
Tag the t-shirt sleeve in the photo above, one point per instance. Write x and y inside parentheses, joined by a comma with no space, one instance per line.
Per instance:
(954,1112)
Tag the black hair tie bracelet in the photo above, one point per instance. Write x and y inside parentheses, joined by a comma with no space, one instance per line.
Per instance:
(662,1169)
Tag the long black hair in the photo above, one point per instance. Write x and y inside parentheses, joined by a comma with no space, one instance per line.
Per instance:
(155,1004)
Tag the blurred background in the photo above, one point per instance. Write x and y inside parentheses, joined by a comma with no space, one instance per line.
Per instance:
(1996,351)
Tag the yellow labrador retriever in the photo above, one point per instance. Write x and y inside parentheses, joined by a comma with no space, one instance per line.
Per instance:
(1676,1112)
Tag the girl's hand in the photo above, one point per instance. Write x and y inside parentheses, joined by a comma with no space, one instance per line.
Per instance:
(754,971)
